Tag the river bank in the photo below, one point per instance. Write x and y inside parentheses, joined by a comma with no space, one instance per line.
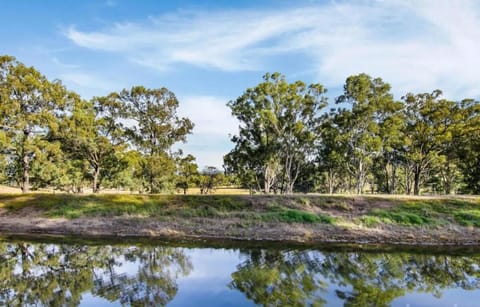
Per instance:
(300,218)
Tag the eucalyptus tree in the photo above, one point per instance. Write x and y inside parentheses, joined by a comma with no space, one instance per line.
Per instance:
(154,126)
(187,172)
(466,145)
(360,126)
(429,125)
(30,106)
(453,122)
(92,132)
(241,162)
(277,130)
(332,158)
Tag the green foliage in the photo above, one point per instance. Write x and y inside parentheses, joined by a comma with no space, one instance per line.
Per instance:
(92,133)
(51,138)
(277,132)
(156,127)
(209,179)
(187,173)
(361,128)
(30,108)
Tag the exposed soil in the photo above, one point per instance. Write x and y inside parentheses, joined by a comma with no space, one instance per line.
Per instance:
(30,221)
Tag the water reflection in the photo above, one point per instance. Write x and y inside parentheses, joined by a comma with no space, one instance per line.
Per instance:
(300,278)
(57,275)
(63,275)
(272,277)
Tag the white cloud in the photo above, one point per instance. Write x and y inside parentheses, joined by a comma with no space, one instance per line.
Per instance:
(210,115)
(213,124)
(415,45)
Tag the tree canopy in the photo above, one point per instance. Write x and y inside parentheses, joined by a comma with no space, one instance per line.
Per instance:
(368,141)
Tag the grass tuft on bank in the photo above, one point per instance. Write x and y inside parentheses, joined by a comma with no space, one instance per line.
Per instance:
(308,209)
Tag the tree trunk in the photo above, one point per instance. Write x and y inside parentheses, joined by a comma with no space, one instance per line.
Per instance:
(96,175)
(393,186)
(447,181)
(289,188)
(416,182)
(26,174)
(150,181)
(360,179)
(408,180)
(387,179)
(266,186)
(330,182)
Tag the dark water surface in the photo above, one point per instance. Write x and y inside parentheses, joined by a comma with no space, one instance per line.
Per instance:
(56,273)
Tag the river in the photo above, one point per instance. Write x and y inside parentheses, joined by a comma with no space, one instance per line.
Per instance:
(63,272)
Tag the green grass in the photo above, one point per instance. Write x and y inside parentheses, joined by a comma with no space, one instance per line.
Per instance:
(184,206)
(400,217)
(370,221)
(307,209)
(468,218)
(297,216)
(427,212)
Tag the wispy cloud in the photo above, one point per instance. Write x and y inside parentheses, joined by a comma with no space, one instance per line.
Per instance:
(63,65)
(416,45)
(88,81)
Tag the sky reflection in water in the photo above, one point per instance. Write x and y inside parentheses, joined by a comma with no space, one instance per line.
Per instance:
(102,275)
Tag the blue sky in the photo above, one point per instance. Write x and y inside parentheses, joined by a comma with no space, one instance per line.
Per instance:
(209,52)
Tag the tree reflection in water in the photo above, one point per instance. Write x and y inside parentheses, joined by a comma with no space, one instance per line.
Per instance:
(58,275)
(300,278)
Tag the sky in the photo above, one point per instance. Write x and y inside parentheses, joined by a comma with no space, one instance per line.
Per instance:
(209,52)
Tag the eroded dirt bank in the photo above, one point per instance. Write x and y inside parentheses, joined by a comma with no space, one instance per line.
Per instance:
(235,229)
(354,220)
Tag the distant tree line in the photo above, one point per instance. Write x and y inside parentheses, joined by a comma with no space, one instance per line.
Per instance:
(287,141)
(52,138)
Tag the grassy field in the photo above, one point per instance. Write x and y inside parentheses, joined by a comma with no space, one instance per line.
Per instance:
(367,211)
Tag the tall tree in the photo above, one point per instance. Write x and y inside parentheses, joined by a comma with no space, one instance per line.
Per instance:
(29,108)
(428,125)
(466,145)
(331,159)
(155,127)
(360,126)
(92,132)
(277,130)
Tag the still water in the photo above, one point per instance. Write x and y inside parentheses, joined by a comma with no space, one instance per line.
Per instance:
(111,274)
